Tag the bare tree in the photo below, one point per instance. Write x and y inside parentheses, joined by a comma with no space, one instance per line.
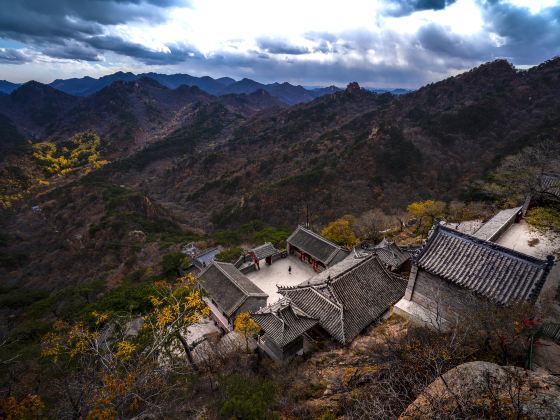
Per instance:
(371,224)
(520,174)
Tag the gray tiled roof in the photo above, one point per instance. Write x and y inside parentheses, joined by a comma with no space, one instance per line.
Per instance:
(495,272)
(205,258)
(349,301)
(283,322)
(228,286)
(318,247)
(265,250)
(390,254)
(491,230)
(550,184)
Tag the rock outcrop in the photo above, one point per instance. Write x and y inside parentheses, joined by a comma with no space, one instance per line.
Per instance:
(487,390)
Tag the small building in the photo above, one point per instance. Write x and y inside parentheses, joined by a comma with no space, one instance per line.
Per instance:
(314,249)
(394,257)
(228,293)
(347,297)
(205,258)
(454,270)
(263,252)
(285,328)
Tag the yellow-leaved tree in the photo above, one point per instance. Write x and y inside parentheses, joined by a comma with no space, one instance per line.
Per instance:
(82,150)
(29,407)
(340,232)
(115,372)
(108,373)
(176,306)
(247,326)
(426,212)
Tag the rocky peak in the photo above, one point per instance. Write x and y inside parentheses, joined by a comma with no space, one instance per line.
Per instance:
(353,87)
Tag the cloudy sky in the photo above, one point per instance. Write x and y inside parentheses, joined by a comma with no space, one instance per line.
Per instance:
(383,43)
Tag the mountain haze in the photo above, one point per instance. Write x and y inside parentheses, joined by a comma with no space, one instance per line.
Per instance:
(285,92)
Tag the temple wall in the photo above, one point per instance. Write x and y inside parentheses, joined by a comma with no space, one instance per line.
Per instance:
(441,297)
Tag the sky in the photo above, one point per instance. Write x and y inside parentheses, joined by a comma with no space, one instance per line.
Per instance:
(379,43)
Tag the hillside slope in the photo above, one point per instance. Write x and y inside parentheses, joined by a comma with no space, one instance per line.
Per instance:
(354,150)
(218,162)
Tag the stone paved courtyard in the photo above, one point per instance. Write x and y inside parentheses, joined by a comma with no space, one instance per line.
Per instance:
(270,275)
(522,238)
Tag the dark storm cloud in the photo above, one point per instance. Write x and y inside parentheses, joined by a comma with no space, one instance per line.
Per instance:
(50,26)
(443,43)
(176,54)
(528,38)
(13,56)
(406,7)
(81,30)
(400,63)
(280,46)
(75,51)
(324,41)
(104,12)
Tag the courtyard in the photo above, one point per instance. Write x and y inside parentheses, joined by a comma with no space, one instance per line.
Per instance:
(521,237)
(270,275)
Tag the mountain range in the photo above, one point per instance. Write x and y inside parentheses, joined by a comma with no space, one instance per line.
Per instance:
(285,92)
(186,164)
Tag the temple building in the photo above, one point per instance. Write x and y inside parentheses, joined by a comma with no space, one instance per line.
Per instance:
(454,270)
(392,256)
(286,328)
(228,292)
(312,248)
(205,258)
(264,252)
(342,300)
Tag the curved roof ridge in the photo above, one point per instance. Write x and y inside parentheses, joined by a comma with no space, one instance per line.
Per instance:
(487,244)
(219,264)
(313,289)
(322,238)
(358,265)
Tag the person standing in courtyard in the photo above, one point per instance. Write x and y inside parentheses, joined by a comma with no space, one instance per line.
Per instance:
(290,269)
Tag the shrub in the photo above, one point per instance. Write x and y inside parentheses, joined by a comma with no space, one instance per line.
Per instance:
(81,150)
(255,232)
(20,298)
(544,218)
(230,255)
(172,263)
(271,234)
(248,398)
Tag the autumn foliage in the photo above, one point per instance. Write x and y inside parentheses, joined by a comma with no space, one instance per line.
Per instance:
(340,232)
(81,150)
(124,372)
(245,325)
(426,212)
(29,407)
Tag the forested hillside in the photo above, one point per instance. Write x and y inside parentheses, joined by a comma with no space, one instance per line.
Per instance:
(214,163)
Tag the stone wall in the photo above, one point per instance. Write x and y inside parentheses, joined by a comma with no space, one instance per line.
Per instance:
(441,297)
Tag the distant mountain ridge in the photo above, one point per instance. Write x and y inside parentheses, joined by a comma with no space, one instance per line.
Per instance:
(130,113)
(285,92)
(8,87)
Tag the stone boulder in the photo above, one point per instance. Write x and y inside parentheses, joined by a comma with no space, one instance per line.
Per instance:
(486,390)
